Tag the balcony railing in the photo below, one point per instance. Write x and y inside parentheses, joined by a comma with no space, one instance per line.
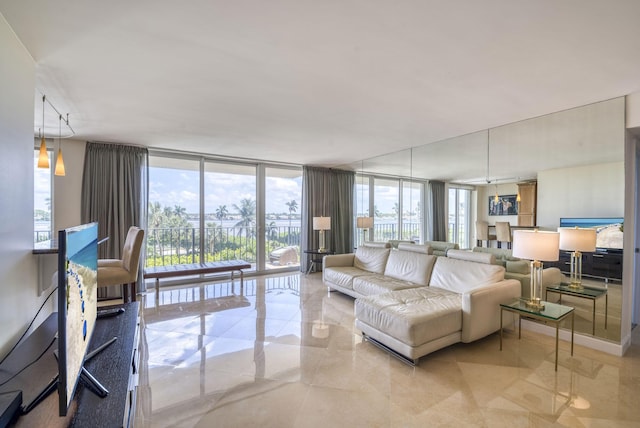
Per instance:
(387,231)
(169,246)
(41,235)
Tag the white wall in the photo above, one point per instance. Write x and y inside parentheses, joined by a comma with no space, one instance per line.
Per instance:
(586,191)
(18,266)
(67,190)
(632,110)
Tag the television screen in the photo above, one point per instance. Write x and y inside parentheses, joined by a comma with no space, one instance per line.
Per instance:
(608,229)
(77,304)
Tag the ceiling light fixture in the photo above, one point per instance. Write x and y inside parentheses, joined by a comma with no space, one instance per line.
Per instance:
(43,157)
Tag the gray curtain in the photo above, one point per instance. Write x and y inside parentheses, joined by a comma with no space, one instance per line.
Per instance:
(438,224)
(342,197)
(327,193)
(114,193)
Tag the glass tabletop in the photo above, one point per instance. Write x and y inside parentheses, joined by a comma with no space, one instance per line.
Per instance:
(552,311)
(584,291)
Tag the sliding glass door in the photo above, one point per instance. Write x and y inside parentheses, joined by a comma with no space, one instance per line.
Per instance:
(204,210)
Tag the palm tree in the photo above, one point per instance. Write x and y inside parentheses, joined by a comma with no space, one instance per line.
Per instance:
(247,212)
(179,211)
(293,206)
(222,212)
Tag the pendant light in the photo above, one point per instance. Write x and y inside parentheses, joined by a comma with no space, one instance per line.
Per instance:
(43,157)
(496,198)
(59,161)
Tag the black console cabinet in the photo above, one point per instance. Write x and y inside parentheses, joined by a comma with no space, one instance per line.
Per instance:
(115,367)
(603,263)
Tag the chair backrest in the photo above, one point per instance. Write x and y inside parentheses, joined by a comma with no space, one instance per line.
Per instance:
(482,231)
(131,250)
(503,231)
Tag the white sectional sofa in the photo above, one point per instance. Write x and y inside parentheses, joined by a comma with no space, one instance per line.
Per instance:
(414,303)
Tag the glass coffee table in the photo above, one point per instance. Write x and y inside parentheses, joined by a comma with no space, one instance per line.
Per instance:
(552,312)
(592,293)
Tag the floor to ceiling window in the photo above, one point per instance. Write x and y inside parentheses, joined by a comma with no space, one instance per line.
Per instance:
(283,224)
(42,200)
(412,209)
(230,198)
(397,206)
(459,227)
(204,209)
(386,208)
(173,235)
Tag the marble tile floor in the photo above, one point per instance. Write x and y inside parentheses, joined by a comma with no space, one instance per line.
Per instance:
(283,352)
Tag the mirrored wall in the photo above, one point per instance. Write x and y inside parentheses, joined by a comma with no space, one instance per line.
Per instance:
(576,157)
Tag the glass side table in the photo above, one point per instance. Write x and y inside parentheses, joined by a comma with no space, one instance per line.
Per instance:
(592,293)
(552,312)
(315,258)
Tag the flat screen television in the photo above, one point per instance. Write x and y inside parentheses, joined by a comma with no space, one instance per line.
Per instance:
(608,229)
(77,304)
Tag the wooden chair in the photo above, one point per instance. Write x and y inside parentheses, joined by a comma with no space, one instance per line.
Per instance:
(123,271)
(503,233)
(482,233)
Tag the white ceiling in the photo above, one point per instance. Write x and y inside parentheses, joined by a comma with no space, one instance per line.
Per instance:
(321,82)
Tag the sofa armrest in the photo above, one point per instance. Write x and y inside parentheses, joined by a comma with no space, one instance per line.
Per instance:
(338,260)
(481,308)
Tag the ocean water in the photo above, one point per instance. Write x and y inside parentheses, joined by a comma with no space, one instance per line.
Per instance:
(87,256)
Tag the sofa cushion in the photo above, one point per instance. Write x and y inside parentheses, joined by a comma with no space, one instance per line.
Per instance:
(462,276)
(376,244)
(410,266)
(520,266)
(415,316)
(424,249)
(343,275)
(371,259)
(472,257)
(395,243)
(370,285)
(440,248)
(502,254)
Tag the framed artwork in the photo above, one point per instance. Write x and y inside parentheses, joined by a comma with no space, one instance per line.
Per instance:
(506,205)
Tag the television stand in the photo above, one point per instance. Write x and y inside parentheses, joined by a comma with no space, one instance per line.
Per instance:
(116,366)
(85,377)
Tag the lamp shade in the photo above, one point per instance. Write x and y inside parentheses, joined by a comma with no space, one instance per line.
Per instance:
(574,239)
(43,158)
(364,222)
(322,223)
(536,245)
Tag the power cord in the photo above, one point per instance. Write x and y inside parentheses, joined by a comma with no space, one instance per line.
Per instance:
(30,364)
(25,333)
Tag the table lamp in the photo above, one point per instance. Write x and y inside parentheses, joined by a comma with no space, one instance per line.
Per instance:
(322,224)
(364,223)
(538,247)
(577,240)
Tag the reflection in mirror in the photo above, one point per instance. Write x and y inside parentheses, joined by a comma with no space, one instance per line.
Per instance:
(576,158)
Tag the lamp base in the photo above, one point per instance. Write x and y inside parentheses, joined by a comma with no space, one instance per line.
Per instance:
(575,286)
(535,304)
